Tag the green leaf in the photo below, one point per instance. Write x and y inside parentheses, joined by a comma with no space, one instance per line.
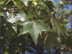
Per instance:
(1,14)
(24,16)
(33,27)
(9,32)
(39,38)
(25,2)
(18,3)
(11,18)
(14,18)
(44,12)
(49,4)
(2,1)
(41,2)
(30,11)
(20,16)
(1,51)
(8,2)
(6,53)
(46,17)
(14,26)
(59,25)
(50,39)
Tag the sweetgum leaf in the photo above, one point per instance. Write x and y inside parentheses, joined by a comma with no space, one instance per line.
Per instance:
(33,27)
(49,4)
(51,39)
(59,25)
(12,18)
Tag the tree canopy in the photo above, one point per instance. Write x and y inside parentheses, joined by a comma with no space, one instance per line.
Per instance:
(32,23)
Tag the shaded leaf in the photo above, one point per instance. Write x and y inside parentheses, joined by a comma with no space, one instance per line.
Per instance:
(1,51)
(39,38)
(61,18)
(30,11)
(59,25)
(18,3)
(51,39)
(49,4)
(9,32)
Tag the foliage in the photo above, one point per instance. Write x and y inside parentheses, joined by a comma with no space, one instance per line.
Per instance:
(23,24)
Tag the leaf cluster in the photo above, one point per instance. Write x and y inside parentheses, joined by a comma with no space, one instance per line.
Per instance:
(21,19)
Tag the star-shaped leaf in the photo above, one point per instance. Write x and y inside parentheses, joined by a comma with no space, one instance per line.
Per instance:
(59,25)
(33,27)
(12,18)
(51,39)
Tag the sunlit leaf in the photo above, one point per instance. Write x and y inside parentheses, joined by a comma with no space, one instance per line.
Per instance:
(33,27)
(25,2)
(2,1)
(6,53)
(1,14)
